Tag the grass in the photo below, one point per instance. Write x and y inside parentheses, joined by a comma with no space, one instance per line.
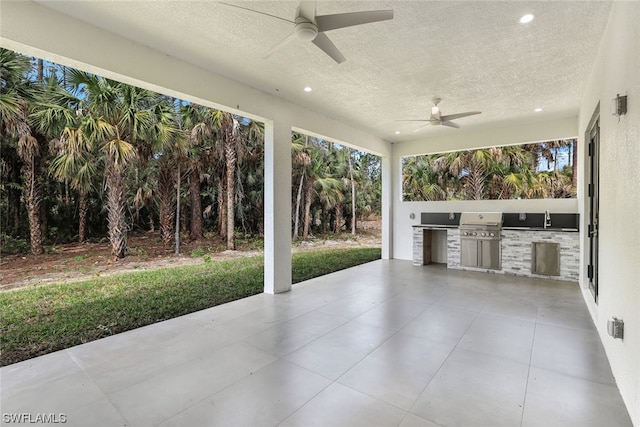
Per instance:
(43,319)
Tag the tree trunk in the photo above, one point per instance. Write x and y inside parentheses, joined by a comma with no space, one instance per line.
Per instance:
(40,70)
(353,196)
(222,209)
(339,218)
(32,200)
(196,205)
(44,219)
(83,210)
(307,209)
(231,158)
(296,227)
(165,192)
(116,203)
(178,181)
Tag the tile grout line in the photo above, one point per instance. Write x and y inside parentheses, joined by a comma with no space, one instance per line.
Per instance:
(445,360)
(104,394)
(526,387)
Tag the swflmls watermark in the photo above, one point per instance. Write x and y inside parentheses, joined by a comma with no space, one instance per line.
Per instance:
(38,418)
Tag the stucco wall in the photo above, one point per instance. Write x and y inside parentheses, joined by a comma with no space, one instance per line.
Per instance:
(617,70)
(460,140)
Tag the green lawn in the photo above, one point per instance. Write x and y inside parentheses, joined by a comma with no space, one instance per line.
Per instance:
(43,319)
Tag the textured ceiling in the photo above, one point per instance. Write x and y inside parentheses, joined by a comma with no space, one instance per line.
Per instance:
(473,54)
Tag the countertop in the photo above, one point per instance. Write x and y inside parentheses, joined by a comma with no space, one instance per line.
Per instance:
(447,227)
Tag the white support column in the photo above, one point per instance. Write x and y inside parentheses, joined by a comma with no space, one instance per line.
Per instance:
(387,207)
(277,206)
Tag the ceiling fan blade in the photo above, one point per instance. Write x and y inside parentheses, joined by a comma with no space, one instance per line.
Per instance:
(323,42)
(280,45)
(307,9)
(422,127)
(458,115)
(450,124)
(414,120)
(342,20)
(234,6)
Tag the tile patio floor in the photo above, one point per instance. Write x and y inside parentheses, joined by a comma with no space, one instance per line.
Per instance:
(382,344)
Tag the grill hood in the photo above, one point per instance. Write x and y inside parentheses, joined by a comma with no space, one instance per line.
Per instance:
(481,218)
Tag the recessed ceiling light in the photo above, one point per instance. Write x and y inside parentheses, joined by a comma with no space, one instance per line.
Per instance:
(397,132)
(525,19)
(307,89)
(537,110)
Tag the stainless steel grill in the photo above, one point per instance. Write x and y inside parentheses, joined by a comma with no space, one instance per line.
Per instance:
(480,239)
(481,225)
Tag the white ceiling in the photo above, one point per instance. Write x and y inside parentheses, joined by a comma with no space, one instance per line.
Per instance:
(473,54)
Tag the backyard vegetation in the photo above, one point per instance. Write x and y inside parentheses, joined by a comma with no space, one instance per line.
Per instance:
(121,207)
(42,319)
(529,171)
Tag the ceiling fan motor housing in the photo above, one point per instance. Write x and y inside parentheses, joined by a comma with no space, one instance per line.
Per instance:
(306,30)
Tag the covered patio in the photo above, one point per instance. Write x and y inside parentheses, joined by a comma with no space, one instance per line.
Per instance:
(381,344)
(386,343)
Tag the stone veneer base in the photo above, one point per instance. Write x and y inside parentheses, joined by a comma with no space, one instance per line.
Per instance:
(516,252)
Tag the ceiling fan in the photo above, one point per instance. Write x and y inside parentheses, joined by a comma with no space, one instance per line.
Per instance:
(437,119)
(308,26)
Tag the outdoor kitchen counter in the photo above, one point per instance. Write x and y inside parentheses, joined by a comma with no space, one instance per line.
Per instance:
(515,249)
(555,229)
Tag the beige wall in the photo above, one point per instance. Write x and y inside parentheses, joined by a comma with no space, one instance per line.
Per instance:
(617,70)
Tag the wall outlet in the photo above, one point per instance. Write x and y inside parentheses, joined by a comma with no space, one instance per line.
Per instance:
(615,328)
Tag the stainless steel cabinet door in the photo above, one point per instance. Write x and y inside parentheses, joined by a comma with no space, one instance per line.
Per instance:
(469,252)
(490,254)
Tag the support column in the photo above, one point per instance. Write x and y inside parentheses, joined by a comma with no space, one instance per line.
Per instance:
(387,207)
(277,206)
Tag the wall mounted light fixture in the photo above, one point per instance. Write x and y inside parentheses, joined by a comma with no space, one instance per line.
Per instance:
(619,105)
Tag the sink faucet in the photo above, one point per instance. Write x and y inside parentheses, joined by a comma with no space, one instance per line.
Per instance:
(547,219)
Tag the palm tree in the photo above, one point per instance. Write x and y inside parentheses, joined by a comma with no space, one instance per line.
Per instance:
(75,163)
(16,97)
(169,148)
(194,124)
(249,192)
(227,128)
(57,114)
(117,117)
(301,159)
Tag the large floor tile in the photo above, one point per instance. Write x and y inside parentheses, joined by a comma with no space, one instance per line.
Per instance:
(510,338)
(356,304)
(557,400)
(399,370)
(565,314)
(464,298)
(393,313)
(340,406)
(129,365)
(34,372)
(338,351)
(162,396)
(293,334)
(473,389)
(415,421)
(59,395)
(442,324)
(511,307)
(100,413)
(263,399)
(572,352)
